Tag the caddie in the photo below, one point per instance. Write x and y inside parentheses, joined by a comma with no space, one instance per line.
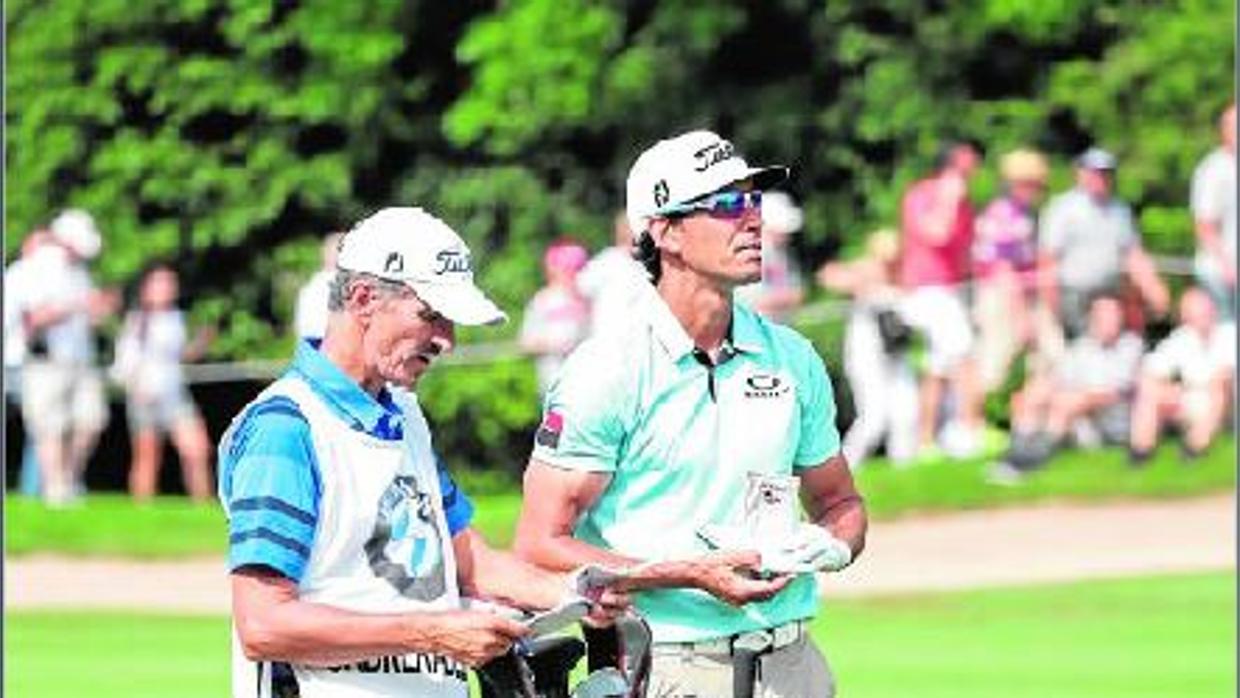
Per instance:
(670,443)
(350,547)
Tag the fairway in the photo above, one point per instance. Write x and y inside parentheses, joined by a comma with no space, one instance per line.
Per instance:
(1153,636)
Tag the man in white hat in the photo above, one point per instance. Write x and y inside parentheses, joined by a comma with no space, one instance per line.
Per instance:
(62,389)
(350,547)
(674,446)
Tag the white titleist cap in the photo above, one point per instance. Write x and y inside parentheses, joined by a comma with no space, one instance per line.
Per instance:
(678,170)
(76,229)
(413,247)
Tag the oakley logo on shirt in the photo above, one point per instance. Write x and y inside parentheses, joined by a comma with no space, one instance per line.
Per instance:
(764,385)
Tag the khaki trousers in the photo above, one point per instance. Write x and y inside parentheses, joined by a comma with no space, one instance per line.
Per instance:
(797,670)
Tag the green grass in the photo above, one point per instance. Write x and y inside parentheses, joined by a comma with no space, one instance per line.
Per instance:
(1152,636)
(169,527)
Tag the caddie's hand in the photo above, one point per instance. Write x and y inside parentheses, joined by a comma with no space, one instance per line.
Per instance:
(733,577)
(476,637)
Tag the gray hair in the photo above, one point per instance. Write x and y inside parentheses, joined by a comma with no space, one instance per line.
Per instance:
(338,289)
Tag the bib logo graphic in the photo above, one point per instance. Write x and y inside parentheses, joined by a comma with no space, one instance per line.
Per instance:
(764,385)
(406,546)
(452,262)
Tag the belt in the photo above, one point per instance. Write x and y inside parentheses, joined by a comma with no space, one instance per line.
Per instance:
(762,641)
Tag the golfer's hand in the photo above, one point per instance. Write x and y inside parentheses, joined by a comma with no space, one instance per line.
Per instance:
(732,577)
(475,637)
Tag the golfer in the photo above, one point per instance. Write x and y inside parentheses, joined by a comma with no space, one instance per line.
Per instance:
(691,417)
(350,548)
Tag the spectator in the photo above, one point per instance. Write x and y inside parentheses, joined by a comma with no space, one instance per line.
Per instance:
(1187,379)
(1091,392)
(152,344)
(557,317)
(1005,267)
(612,279)
(876,361)
(1088,241)
(1214,215)
(17,282)
(62,392)
(310,313)
(937,222)
(780,291)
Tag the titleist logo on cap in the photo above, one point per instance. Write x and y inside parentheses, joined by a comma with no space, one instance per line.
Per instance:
(713,154)
(453,261)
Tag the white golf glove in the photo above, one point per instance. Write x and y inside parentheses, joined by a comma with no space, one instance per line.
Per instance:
(810,549)
(819,550)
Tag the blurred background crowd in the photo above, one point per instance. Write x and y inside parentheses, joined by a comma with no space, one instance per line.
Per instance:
(1001,247)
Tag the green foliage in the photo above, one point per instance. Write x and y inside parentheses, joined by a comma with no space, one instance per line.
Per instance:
(231,135)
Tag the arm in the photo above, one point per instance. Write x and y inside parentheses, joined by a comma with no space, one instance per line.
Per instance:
(1145,278)
(831,500)
(851,278)
(938,219)
(274,624)
(494,574)
(544,536)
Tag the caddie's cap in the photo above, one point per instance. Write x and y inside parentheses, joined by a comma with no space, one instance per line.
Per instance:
(413,247)
(1096,159)
(678,170)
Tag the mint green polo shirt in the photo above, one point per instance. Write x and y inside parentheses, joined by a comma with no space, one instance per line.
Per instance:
(679,442)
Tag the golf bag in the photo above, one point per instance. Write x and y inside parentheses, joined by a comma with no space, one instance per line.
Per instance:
(618,663)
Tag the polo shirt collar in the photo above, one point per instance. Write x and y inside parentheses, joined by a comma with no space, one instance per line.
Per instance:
(744,335)
(378,417)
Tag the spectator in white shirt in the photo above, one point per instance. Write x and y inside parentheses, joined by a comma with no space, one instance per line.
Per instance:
(612,279)
(62,391)
(1214,217)
(1092,388)
(17,282)
(310,313)
(149,351)
(1187,379)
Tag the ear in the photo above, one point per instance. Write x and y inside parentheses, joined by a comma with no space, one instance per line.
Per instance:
(667,235)
(361,299)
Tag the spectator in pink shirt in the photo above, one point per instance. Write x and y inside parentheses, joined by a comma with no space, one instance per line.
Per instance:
(1005,256)
(937,234)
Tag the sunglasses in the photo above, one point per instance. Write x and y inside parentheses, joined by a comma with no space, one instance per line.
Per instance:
(730,204)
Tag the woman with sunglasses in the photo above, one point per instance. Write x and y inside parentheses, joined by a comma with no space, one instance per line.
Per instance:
(673,446)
